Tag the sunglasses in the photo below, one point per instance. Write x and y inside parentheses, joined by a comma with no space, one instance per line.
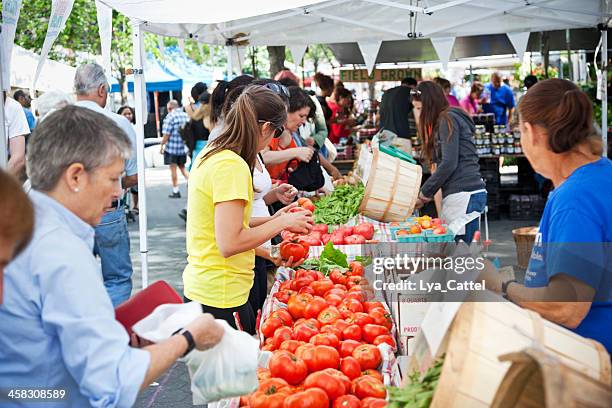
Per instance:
(278,131)
(415,92)
(278,88)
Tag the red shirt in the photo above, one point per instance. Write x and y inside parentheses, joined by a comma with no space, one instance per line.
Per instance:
(336,130)
(278,171)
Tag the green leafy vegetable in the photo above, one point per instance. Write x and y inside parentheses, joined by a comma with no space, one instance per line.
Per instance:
(365,260)
(331,258)
(419,392)
(340,206)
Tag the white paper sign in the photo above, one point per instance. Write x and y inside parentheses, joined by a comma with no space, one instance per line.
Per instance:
(438,319)
(60,11)
(10,16)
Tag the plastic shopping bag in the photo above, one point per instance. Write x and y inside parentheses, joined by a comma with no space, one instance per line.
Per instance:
(166,320)
(227,370)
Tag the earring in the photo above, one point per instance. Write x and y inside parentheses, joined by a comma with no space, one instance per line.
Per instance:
(76,190)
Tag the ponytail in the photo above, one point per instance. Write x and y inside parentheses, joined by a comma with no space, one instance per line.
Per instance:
(565,111)
(216,102)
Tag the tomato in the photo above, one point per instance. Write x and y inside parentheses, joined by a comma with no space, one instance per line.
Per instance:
(347,347)
(328,328)
(325,238)
(271,344)
(347,401)
(314,322)
(275,399)
(337,276)
(368,356)
(382,318)
(284,315)
(304,331)
(314,307)
(263,373)
(288,367)
(356,294)
(272,385)
(322,228)
(385,338)
(322,286)
(306,204)
(341,324)
(367,386)
(346,230)
(365,229)
(341,376)
(270,325)
(297,304)
(320,275)
(325,339)
(353,305)
(310,398)
(337,239)
(307,289)
(285,285)
(372,331)
(293,249)
(244,401)
(301,350)
(350,367)
(361,319)
(287,235)
(284,295)
(439,230)
(336,291)
(356,269)
(333,299)
(369,306)
(345,313)
(321,357)
(374,373)
(328,315)
(300,273)
(354,240)
(352,332)
(415,229)
(354,280)
(290,345)
(310,239)
(332,385)
(402,232)
(299,283)
(370,402)
(281,334)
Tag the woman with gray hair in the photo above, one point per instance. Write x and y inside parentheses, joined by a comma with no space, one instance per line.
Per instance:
(58,327)
(51,101)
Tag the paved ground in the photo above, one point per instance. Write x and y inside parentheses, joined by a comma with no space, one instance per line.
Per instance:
(167,259)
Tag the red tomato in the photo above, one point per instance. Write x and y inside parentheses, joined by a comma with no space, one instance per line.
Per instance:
(374,373)
(306,204)
(372,331)
(369,306)
(328,315)
(322,286)
(314,322)
(293,249)
(263,374)
(346,230)
(355,269)
(325,238)
(332,385)
(288,367)
(354,281)
(371,402)
(299,283)
(286,285)
(284,315)
(365,229)
(304,331)
(310,240)
(345,313)
(352,332)
(347,401)
(340,375)
(347,347)
(307,289)
(272,399)
(361,319)
(350,367)
(385,338)
(321,357)
(341,324)
(382,318)
(290,345)
(287,235)
(328,328)
(341,286)
(353,305)
(337,239)
(333,299)
(300,273)
(314,307)
(322,228)
(270,325)
(368,356)
(297,304)
(354,240)
(311,398)
(301,350)
(271,344)
(336,291)
(325,339)
(367,386)
(320,275)
(281,334)
(272,385)
(284,295)
(337,276)
(355,294)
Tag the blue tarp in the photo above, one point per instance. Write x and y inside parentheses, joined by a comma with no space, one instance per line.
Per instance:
(156,76)
(185,68)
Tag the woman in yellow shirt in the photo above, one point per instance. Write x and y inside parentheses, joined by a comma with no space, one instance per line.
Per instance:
(221,236)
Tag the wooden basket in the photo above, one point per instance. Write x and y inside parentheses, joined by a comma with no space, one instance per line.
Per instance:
(392,188)
(539,379)
(524,239)
(483,331)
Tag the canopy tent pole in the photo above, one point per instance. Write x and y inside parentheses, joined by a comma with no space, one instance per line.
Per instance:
(157,124)
(3,136)
(139,87)
(230,68)
(604,94)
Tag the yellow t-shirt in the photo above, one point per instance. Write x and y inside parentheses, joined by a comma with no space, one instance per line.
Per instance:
(209,278)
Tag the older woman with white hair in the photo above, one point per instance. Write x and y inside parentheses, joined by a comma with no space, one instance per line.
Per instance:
(52,100)
(58,328)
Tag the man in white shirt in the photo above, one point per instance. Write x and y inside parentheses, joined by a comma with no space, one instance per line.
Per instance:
(16,129)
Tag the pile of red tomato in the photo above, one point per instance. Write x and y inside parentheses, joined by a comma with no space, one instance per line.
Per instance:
(345,235)
(324,344)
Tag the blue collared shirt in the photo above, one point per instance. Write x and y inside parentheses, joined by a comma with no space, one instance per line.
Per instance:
(58,327)
(31,119)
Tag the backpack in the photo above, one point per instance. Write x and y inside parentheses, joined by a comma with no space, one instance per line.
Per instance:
(308,175)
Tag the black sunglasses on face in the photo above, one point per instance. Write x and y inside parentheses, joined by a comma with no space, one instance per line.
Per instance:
(278,131)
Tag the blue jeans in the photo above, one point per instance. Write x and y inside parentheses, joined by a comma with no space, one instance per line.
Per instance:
(477,202)
(112,244)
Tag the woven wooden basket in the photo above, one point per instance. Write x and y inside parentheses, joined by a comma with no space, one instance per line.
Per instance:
(524,239)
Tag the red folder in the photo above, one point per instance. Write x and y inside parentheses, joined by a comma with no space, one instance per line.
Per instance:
(144,302)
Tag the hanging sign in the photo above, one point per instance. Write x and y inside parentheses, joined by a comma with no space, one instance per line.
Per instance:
(394,75)
(10,16)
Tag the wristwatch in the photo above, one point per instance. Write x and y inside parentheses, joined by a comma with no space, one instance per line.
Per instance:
(504,287)
(190,342)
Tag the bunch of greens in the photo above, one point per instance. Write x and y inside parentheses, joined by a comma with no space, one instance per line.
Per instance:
(340,206)
(332,258)
(419,392)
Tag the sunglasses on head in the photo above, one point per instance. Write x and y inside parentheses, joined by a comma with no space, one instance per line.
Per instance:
(415,92)
(278,131)
(278,88)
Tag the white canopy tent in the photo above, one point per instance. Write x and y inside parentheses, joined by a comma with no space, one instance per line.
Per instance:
(298,23)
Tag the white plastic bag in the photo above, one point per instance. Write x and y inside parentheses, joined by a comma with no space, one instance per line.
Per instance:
(227,370)
(166,320)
